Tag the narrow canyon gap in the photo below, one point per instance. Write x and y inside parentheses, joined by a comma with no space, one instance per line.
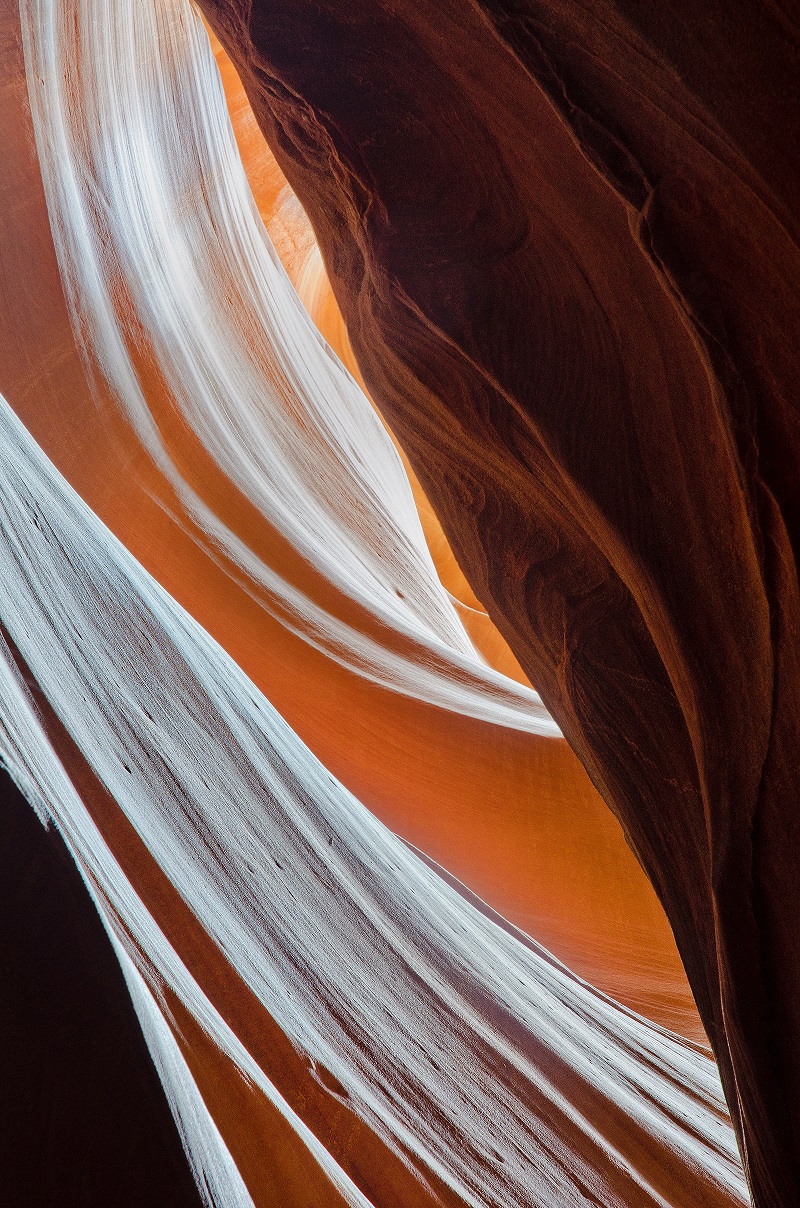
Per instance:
(240,586)
(564,239)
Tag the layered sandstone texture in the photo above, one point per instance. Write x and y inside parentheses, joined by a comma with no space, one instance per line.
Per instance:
(564,241)
(306,899)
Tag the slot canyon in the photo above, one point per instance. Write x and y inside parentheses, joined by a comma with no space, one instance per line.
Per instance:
(399,608)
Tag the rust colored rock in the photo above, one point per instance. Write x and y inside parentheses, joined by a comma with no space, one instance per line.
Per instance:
(516,798)
(565,242)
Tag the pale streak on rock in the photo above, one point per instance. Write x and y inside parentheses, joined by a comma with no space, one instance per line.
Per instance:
(164,259)
(478,1059)
(136,148)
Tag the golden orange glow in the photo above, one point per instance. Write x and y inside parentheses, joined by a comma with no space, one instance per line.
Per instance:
(385,942)
(543,849)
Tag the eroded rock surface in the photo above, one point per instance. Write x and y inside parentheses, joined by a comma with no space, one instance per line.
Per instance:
(565,242)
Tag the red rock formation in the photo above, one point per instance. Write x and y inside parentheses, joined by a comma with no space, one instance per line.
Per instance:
(484,802)
(334,1023)
(293,238)
(564,240)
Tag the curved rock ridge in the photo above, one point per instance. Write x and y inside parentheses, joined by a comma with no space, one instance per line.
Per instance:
(293,238)
(564,238)
(186,396)
(332,1020)
(249,395)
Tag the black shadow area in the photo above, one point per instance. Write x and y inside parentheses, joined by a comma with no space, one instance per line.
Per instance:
(84,1122)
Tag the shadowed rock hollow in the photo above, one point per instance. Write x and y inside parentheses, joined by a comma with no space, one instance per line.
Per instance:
(565,242)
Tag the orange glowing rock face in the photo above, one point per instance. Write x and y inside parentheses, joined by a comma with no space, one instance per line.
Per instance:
(564,240)
(220,744)
(293,239)
(543,849)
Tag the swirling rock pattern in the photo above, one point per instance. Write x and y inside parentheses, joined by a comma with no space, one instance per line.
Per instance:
(181,389)
(564,238)
(333,1022)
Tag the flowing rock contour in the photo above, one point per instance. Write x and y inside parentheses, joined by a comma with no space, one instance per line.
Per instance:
(565,242)
(333,1018)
